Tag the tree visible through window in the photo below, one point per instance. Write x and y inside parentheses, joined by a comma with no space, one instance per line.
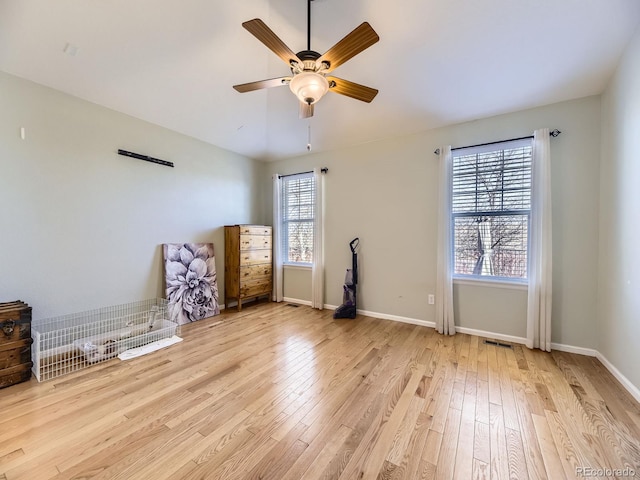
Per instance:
(491,205)
(298,193)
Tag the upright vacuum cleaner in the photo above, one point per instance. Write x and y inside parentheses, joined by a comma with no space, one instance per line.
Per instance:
(349,306)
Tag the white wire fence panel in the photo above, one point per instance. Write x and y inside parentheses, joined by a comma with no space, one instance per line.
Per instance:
(69,343)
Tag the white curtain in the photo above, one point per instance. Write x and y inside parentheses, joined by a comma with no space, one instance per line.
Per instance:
(278,272)
(539,303)
(444,276)
(317,269)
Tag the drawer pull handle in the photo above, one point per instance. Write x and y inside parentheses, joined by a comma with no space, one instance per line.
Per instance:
(8,326)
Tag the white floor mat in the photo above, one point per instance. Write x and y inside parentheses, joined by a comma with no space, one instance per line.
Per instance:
(148,348)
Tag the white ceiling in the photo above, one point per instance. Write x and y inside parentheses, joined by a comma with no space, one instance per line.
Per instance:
(438,62)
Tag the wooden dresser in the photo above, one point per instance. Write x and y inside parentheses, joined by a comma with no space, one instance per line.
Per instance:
(248,263)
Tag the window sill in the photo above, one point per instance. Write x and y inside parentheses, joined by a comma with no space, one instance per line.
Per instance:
(486,282)
(297,266)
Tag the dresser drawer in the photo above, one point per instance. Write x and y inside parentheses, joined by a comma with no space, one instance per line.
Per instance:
(253,242)
(255,257)
(255,271)
(255,230)
(252,288)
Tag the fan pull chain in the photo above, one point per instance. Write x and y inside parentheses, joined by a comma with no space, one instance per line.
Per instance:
(309,139)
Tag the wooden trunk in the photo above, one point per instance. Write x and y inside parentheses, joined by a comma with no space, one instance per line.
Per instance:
(15,343)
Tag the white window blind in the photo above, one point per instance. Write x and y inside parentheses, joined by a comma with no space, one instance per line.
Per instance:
(298,193)
(491,206)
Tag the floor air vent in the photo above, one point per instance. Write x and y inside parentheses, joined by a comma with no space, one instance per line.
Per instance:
(497,344)
(292,305)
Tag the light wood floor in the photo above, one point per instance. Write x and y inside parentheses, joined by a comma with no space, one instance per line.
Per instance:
(285,393)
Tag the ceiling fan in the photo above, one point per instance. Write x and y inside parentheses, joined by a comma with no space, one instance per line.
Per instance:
(309,80)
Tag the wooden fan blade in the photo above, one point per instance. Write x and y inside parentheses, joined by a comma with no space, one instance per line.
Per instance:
(263,33)
(351,89)
(272,82)
(355,42)
(306,110)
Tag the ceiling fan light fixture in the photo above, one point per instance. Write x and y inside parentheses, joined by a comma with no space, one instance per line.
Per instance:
(309,87)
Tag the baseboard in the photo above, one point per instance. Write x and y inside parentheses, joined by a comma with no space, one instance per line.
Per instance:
(626,383)
(495,336)
(296,301)
(386,316)
(589,352)
(397,318)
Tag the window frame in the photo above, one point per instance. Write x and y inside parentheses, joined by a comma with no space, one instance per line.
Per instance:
(490,280)
(285,221)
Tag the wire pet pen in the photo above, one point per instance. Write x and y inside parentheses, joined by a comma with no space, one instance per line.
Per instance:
(69,343)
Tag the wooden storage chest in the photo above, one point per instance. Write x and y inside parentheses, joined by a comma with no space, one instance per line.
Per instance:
(15,343)
(248,262)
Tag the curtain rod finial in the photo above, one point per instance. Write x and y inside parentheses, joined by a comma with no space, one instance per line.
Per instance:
(437,151)
(555,132)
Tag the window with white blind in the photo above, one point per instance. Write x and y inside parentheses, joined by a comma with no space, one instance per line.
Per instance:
(298,194)
(490,209)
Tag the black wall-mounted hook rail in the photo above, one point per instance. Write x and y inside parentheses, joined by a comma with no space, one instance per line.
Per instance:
(146,158)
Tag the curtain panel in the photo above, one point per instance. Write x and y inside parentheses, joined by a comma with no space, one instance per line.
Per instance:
(444,274)
(540,261)
(317,268)
(278,271)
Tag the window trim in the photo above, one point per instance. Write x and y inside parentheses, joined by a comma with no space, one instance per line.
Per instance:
(497,282)
(298,265)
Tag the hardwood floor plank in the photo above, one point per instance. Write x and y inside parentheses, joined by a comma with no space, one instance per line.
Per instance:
(554,465)
(482,442)
(330,459)
(515,451)
(480,470)
(278,460)
(533,455)
(482,401)
(464,450)
(445,463)
(285,393)
(369,456)
(413,453)
(499,465)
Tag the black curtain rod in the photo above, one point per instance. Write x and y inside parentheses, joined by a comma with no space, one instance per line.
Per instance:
(146,158)
(553,133)
(323,170)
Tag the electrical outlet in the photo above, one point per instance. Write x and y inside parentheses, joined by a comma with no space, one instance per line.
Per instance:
(432,299)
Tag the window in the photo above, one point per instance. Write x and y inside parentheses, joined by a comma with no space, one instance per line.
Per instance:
(491,206)
(298,195)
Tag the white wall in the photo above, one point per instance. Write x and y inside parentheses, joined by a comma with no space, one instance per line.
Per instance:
(81,226)
(619,279)
(385,193)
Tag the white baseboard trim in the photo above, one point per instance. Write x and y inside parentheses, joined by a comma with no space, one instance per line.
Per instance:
(589,352)
(495,336)
(626,383)
(397,318)
(631,388)
(386,316)
(296,301)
